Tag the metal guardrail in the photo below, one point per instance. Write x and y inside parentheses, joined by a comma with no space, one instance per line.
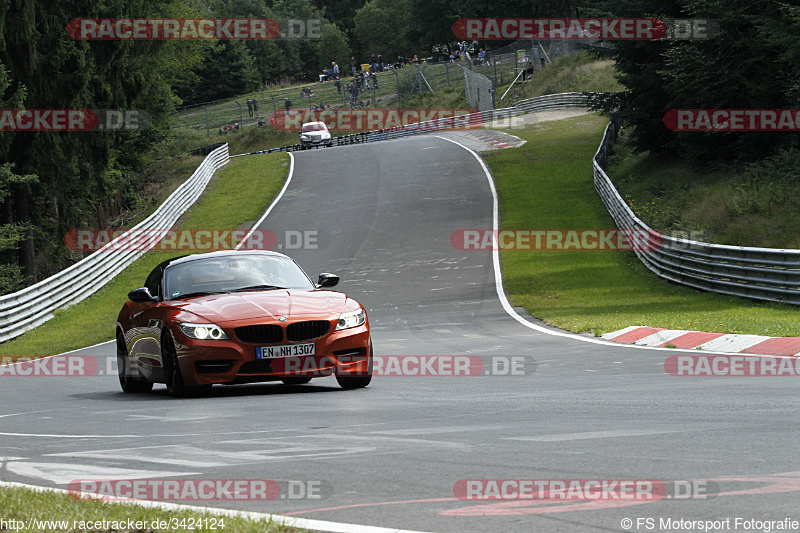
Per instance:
(32,306)
(768,274)
(757,273)
(469,120)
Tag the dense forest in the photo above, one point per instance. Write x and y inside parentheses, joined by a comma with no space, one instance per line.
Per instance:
(51,182)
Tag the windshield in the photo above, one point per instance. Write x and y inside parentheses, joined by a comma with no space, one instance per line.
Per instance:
(230,273)
(314,126)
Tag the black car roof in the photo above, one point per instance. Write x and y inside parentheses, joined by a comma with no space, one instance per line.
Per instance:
(221,253)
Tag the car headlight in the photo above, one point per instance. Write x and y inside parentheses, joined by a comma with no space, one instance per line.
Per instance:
(304,137)
(351,319)
(203,331)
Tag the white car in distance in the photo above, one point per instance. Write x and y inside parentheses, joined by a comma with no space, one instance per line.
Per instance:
(315,134)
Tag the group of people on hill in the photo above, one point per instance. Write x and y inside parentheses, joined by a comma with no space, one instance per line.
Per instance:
(330,74)
(461,51)
(252,106)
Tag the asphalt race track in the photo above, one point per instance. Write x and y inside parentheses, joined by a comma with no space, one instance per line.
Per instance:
(391,454)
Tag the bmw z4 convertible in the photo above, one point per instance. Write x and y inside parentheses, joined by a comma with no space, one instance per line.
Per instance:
(239,317)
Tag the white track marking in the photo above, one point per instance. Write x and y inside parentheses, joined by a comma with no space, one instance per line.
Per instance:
(302,523)
(438,431)
(273,204)
(595,435)
(87,347)
(64,473)
(198,457)
(734,343)
(660,337)
(498,276)
(619,332)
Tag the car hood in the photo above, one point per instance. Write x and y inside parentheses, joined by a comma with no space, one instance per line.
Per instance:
(265,305)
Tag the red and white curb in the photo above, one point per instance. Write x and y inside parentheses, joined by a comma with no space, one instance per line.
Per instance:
(702,340)
(482,140)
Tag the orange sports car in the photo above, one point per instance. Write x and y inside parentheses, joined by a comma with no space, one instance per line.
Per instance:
(239,317)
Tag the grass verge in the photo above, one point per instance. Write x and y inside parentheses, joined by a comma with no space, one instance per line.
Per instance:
(576,73)
(752,206)
(21,504)
(547,184)
(238,193)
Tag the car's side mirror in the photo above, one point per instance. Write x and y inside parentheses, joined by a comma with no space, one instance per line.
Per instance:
(141,295)
(328,280)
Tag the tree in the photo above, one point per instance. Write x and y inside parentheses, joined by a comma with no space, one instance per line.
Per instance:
(751,64)
(380,27)
(228,70)
(12,276)
(433,19)
(79,170)
(333,47)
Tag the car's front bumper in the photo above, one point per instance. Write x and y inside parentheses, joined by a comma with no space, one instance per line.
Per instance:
(315,142)
(231,361)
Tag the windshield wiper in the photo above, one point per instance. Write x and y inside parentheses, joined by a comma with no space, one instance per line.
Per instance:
(257,288)
(192,294)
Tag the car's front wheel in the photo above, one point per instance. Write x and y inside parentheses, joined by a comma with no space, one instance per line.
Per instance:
(357,380)
(126,379)
(172,371)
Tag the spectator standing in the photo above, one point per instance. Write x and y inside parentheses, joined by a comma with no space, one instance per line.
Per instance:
(352,88)
(335,69)
(287,104)
(249,107)
(353,65)
(255,106)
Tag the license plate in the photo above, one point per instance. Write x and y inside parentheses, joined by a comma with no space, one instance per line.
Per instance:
(285,350)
